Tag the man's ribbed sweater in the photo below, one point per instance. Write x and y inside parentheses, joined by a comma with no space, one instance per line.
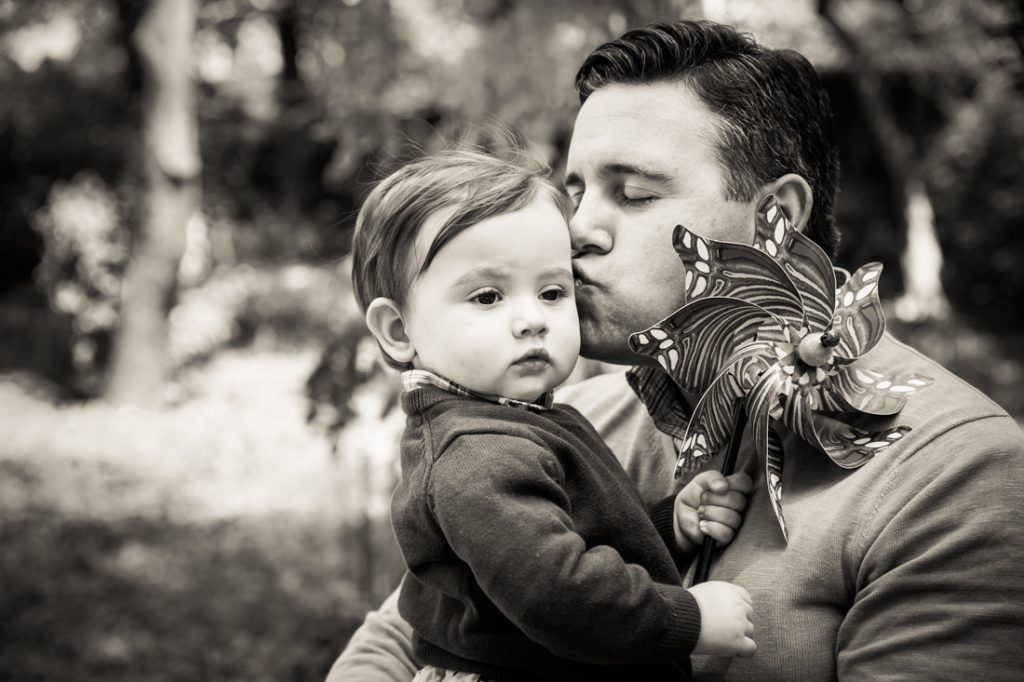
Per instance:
(909,568)
(531,554)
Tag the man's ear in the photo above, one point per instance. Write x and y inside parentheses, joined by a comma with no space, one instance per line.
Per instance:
(795,197)
(384,319)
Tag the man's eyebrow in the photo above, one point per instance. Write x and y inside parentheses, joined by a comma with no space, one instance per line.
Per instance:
(609,169)
(630,169)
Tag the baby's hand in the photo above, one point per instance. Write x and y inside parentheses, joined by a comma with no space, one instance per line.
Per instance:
(710,504)
(725,625)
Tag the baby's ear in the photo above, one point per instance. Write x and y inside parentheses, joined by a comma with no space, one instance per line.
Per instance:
(384,319)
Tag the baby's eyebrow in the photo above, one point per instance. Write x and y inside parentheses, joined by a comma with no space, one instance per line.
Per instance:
(556,272)
(481,273)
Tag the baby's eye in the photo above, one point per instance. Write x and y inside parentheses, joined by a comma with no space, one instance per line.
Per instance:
(489,297)
(553,294)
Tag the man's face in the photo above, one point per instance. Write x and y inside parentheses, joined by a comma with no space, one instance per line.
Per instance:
(642,160)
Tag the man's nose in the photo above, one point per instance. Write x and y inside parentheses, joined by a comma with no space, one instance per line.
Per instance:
(590,229)
(530,320)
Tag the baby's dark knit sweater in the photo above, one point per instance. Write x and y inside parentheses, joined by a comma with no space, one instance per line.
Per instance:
(531,555)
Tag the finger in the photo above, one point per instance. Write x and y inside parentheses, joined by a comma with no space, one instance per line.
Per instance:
(718,531)
(748,648)
(712,481)
(732,499)
(740,482)
(722,515)
(746,595)
(688,522)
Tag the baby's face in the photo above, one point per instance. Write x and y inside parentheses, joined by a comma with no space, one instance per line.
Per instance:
(495,311)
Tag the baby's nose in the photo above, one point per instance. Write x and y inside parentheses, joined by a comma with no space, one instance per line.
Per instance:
(530,320)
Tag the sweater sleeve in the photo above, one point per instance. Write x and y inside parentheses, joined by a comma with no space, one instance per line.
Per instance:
(501,504)
(380,650)
(940,588)
(662,513)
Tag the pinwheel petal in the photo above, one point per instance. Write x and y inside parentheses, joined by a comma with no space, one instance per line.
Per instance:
(736,271)
(765,396)
(858,319)
(711,423)
(693,343)
(797,413)
(807,266)
(850,446)
(769,449)
(861,389)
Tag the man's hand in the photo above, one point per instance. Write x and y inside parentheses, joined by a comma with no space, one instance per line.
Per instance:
(725,625)
(711,504)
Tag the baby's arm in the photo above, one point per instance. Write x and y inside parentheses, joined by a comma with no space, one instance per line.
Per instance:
(710,505)
(503,508)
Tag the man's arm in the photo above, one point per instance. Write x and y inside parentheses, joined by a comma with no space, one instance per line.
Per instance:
(940,580)
(380,650)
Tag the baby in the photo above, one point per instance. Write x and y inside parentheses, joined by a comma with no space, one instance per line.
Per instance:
(530,553)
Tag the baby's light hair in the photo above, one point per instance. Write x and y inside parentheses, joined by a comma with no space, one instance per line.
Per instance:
(470,186)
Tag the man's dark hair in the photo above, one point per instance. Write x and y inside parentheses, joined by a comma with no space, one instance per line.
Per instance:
(777,116)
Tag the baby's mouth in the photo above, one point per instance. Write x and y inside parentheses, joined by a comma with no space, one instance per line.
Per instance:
(535,356)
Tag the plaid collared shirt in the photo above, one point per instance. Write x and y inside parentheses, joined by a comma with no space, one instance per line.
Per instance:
(418,378)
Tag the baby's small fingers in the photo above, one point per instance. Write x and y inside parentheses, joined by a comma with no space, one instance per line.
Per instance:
(741,482)
(718,531)
(748,648)
(722,515)
(689,522)
(732,500)
(712,480)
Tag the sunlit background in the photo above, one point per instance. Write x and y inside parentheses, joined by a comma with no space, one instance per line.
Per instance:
(197,447)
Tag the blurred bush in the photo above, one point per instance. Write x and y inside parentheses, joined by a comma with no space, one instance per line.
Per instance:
(84,258)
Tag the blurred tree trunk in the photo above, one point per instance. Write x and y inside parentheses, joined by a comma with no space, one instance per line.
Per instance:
(923,296)
(163,40)
(290,130)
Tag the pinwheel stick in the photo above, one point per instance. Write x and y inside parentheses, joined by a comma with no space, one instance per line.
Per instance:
(739,423)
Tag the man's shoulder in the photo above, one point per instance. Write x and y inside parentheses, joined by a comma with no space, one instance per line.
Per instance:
(948,406)
(601,396)
(955,430)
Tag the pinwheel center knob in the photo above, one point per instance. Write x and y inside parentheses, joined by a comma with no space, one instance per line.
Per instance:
(816,349)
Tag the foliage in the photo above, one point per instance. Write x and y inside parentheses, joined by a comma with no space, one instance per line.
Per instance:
(84,259)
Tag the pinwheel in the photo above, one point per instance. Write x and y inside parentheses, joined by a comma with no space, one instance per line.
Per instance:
(766,330)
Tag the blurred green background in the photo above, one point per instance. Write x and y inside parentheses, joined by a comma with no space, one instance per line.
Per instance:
(197,446)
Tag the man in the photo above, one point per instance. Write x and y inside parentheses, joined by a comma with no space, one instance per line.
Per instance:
(910,567)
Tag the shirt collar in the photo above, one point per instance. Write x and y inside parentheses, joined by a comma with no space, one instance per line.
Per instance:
(413,379)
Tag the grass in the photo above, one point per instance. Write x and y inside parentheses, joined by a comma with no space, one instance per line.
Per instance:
(218,539)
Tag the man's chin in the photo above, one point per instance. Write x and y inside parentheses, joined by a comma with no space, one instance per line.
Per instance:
(612,350)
